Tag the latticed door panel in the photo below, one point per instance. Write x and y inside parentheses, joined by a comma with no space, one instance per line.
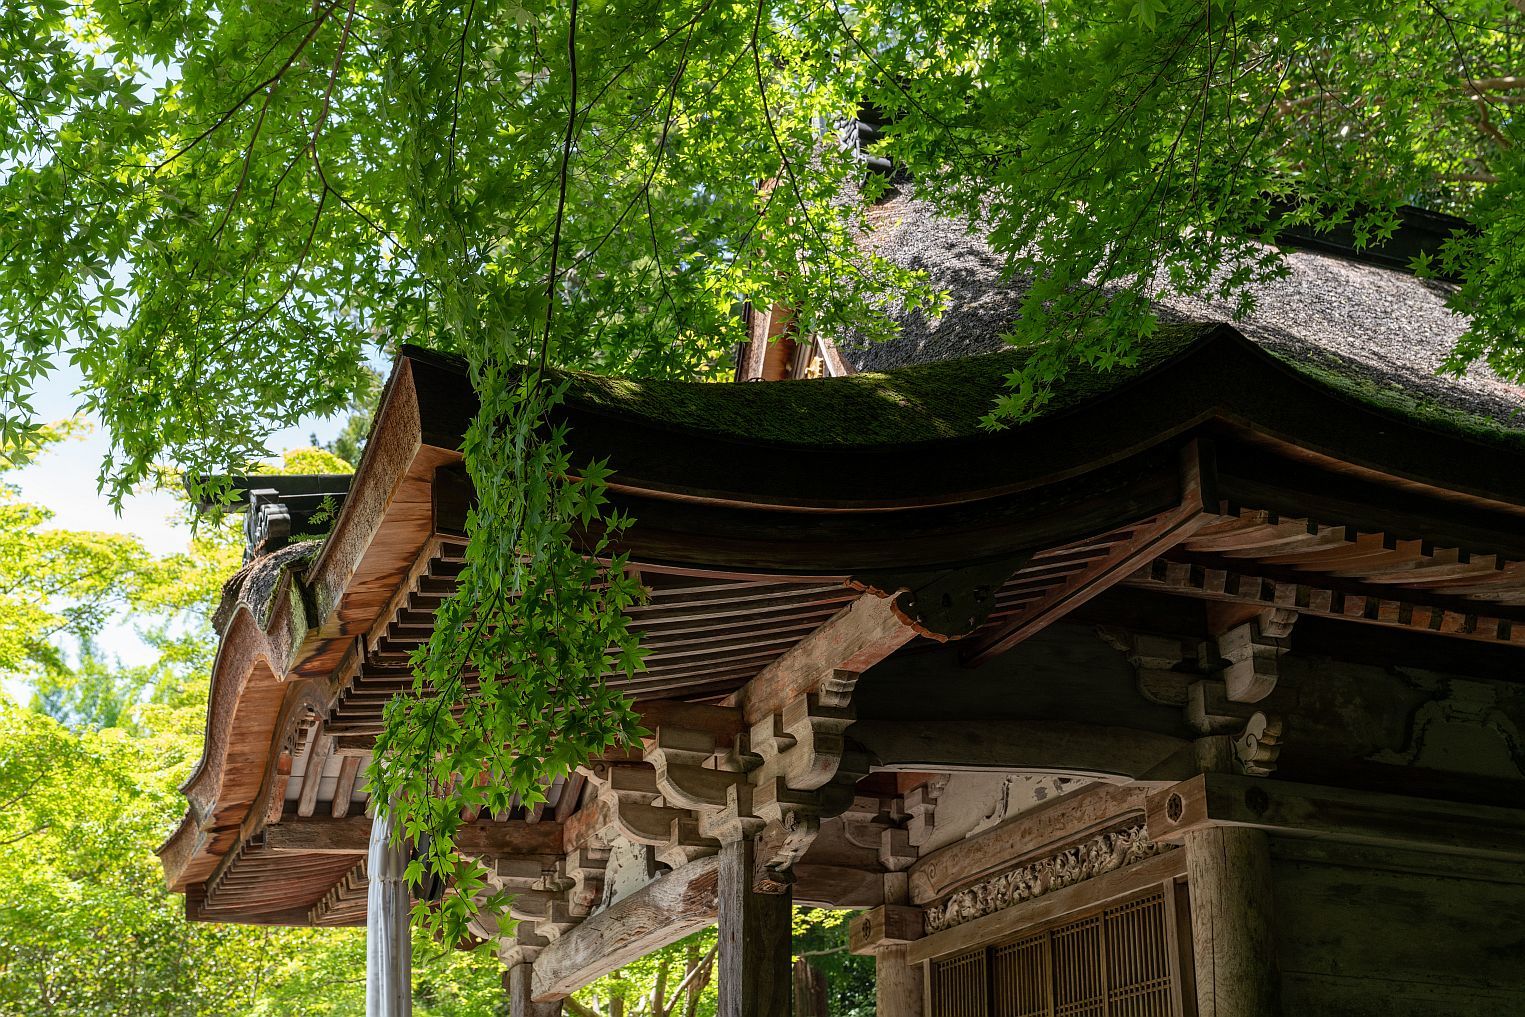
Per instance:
(1080,986)
(1138,959)
(1019,983)
(1113,962)
(961,985)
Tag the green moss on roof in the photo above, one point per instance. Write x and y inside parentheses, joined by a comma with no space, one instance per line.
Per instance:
(1412,407)
(928,402)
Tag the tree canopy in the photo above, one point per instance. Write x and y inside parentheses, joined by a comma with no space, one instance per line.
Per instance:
(217,212)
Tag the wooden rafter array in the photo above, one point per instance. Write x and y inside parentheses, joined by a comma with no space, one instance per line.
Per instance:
(1383,606)
(704,637)
(254,879)
(1343,553)
(345,902)
(1057,579)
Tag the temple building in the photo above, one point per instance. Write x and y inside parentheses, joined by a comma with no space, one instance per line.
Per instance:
(1201,693)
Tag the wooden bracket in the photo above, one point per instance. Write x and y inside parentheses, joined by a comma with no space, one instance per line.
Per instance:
(1253,653)
(1259,745)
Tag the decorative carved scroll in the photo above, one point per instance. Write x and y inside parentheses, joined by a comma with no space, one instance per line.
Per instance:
(1103,853)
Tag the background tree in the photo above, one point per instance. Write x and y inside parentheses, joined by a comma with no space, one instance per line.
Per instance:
(215,210)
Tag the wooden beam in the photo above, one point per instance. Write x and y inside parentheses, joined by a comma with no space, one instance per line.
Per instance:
(312,776)
(837,886)
(752,969)
(1043,830)
(885,926)
(344,790)
(1215,800)
(351,835)
(1054,746)
(853,640)
(1415,610)
(661,912)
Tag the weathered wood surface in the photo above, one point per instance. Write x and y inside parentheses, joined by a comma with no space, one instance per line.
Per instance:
(351,835)
(1035,745)
(1145,541)
(837,886)
(518,981)
(888,925)
(1040,831)
(381,527)
(1358,817)
(1233,936)
(344,787)
(1375,932)
(312,777)
(1055,904)
(855,639)
(752,967)
(898,989)
(662,912)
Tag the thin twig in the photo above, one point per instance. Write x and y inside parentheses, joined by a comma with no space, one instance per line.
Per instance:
(561,201)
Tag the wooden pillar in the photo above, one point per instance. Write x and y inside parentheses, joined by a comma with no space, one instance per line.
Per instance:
(1228,873)
(388,938)
(752,973)
(897,984)
(885,931)
(518,981)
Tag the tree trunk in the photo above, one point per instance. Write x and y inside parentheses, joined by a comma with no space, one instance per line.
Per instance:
(809,990)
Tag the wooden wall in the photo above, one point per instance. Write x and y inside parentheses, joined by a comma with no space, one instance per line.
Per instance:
(1381,932)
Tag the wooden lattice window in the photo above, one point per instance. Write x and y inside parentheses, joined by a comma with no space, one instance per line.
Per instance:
(1120,960)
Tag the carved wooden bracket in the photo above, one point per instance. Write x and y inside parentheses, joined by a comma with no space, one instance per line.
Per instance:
(1253,653)
(1255,733)
(942,604)
(1165,665)
(775,780)
(1259,745)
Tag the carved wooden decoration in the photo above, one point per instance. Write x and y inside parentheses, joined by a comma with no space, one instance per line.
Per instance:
(1252,652)
(1100,854)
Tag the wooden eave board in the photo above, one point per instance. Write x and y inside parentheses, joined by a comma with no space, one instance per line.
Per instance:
(386,520)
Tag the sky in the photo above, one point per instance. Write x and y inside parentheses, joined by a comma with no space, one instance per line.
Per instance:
(64,480)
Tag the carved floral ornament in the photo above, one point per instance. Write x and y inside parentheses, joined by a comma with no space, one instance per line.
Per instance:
(1103,853)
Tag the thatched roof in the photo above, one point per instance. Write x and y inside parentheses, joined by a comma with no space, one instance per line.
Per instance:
(1382,328)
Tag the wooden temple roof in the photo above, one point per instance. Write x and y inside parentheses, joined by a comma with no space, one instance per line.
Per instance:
(1210,469)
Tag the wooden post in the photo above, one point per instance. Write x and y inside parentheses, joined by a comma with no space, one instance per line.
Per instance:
(884,932)
(755,928)
(519,980)
(897,983)
(388,938)
(1228,874)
